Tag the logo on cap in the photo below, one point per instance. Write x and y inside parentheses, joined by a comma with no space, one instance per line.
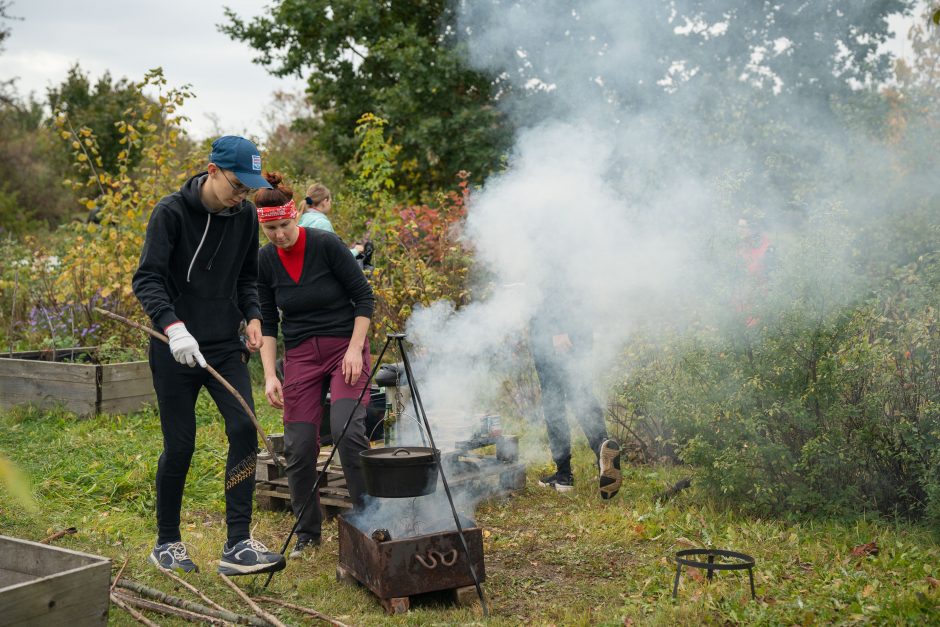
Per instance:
(256,162)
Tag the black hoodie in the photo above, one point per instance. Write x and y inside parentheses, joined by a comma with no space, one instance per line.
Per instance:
(200,267)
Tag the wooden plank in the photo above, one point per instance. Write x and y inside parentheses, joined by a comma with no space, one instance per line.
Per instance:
(40,560)
(125,371)
(126,388)
(39,388)
(47,371)
(48,354)
(63,587)
(11,577)
(82,407)
(75,598)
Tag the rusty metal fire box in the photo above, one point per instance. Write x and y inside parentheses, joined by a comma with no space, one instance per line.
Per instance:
(402,567)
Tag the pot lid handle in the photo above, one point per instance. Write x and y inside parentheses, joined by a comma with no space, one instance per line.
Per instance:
(401,450)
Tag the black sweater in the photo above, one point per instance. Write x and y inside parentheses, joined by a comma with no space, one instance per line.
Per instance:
(331,293)
(200,267)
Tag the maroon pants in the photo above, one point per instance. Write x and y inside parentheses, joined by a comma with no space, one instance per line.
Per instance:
(315,363)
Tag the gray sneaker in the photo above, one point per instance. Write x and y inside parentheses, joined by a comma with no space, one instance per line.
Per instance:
(304,546)
(172,556)
(249,557)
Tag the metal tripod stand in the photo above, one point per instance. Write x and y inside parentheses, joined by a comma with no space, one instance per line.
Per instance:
(398,338)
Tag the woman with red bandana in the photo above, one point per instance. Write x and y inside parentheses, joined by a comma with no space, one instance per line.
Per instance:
(325,306)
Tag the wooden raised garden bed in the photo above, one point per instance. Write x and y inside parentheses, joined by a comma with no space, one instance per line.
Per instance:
(70,378)
(45,585)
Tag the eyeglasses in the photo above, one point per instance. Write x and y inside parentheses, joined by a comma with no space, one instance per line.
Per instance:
(240,189)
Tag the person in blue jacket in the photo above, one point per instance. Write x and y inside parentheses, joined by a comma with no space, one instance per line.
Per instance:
(319,202)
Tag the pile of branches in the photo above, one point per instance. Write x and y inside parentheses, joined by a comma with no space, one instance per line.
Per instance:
(135,598)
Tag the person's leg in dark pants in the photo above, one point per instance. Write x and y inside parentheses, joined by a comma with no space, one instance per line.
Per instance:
(589,413)
(304,380)
(353,443)
(301,448)
(552,386)
(242,441)
(177,388)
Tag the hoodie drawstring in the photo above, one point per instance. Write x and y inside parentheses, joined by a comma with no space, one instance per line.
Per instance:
(219,245)
(198,248)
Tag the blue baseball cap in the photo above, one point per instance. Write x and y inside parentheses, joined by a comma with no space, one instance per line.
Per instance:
(241,158)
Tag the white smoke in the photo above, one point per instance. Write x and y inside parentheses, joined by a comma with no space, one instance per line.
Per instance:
(615,204)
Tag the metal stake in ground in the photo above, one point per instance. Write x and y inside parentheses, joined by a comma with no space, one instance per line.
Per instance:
(400,337)
(213,372)
(326,465)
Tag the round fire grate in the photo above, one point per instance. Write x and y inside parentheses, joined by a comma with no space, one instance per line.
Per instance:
(731,560)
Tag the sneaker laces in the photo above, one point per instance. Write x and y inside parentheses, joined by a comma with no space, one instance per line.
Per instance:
(178,551)
(256,545)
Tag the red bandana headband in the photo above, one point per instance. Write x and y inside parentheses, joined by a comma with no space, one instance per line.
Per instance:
(282,212)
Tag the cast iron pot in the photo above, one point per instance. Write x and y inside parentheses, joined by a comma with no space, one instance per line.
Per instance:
(400,472)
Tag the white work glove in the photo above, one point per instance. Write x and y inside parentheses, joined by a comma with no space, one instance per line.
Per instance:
(184,346)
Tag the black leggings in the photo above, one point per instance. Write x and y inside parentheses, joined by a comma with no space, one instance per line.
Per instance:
(177,387)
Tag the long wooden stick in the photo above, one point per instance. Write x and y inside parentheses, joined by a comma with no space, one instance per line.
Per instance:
(140,618)
(254,606)
(163,597)
(58,534)
(192,588)
(169,610)
(213,372)
(117,577)
(301,609)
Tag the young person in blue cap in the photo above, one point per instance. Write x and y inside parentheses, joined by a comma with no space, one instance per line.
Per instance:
(197,282)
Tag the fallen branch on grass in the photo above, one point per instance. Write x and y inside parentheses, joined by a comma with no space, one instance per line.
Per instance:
(140,618)
(676,489)
(58,534)
(193,589)
(159,595)
(301,609)
(254,606)
(117,577)
(168,610)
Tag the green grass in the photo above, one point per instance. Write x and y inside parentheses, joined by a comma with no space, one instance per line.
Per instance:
(550,558)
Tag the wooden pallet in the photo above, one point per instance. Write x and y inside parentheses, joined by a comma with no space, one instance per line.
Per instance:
(272,493)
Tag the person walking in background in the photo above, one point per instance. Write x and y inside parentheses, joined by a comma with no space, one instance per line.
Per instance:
(325,306)
(197,283)
(319,202)
(755,252)
(559,353)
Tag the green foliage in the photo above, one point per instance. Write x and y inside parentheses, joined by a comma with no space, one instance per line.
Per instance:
(31,155)
(291,148)
(418,258)
(96,108)
(812,410)
(49,289)
(104,256)
(400,60)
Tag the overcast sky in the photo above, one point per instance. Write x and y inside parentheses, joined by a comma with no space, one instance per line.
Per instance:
(131,36)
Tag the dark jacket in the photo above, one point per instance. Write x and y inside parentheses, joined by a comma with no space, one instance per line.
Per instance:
(331,293)
(200,267)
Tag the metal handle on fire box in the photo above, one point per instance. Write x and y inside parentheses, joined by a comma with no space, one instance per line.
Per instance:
(446,560)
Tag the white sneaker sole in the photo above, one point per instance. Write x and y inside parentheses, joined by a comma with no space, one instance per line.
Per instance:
(227,568)
(558,487)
